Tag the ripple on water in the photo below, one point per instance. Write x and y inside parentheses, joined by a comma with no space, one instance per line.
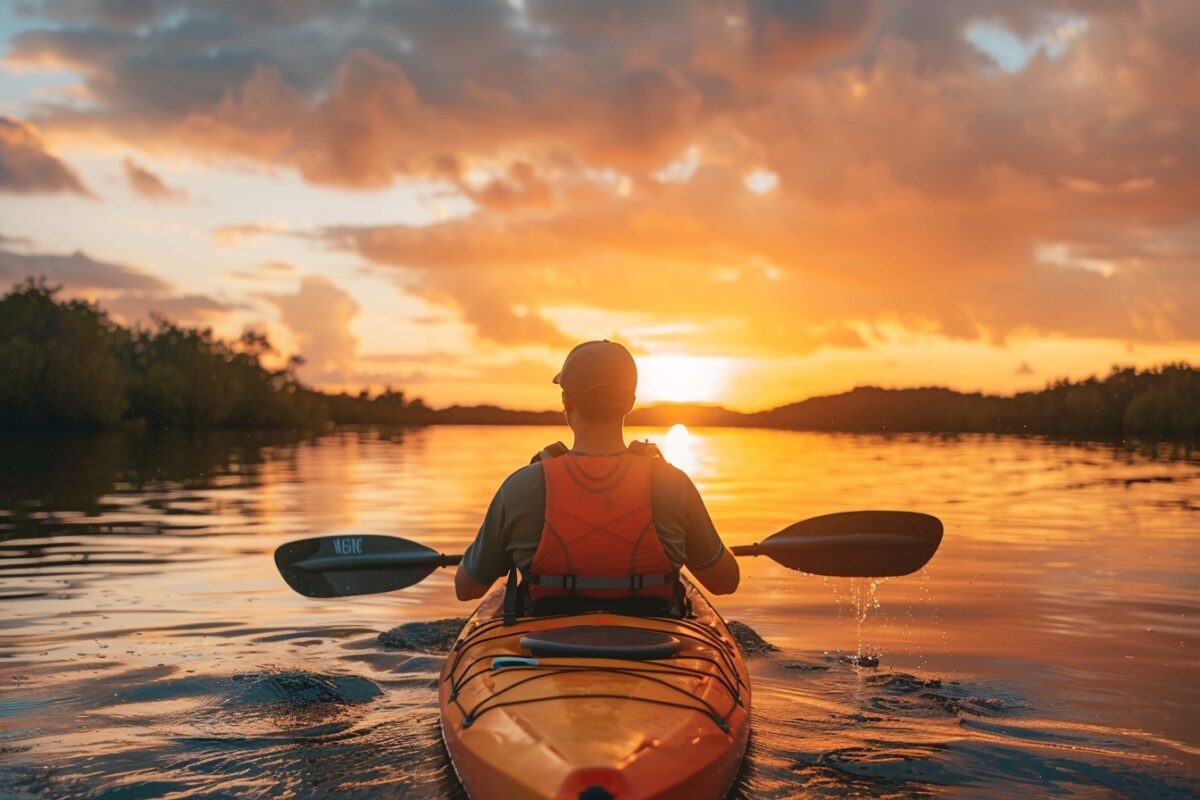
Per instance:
(828,728)
(264,733)
(437,636)
(300,689)
(749,642)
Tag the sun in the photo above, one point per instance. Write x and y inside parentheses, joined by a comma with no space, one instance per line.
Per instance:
(680,379)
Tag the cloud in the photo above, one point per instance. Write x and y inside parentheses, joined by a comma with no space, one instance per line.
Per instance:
(186,309)
(786,34)
(26,167)
(233,235)
(149,185)
(710,250)
(18,241)
(913,184)
(396,89)
(78,272)
(319,315)
(266,271)
(131,294)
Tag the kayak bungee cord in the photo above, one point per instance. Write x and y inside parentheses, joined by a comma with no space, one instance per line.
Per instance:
(664,668)
(702,638)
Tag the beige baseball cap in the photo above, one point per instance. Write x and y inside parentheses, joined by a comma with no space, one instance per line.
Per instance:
(601,370)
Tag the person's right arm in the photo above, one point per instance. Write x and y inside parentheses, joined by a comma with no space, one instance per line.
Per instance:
(487,558)
(466,587)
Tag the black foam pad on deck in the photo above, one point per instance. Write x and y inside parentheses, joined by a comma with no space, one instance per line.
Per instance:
(601,641)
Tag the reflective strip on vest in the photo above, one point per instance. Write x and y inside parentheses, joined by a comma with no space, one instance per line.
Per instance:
(573,582)
(599,538)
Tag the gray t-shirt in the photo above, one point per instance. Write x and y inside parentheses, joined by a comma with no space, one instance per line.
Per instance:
(512,527)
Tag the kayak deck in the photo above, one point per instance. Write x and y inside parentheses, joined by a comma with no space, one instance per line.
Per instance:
(595,725)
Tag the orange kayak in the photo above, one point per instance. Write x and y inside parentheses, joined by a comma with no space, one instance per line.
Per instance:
(595,706)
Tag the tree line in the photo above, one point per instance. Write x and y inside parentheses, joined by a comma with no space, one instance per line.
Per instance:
(1158,403)
(66,363)
(1162,403)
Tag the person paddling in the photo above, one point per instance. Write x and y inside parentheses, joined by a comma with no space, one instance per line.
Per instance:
(601,525)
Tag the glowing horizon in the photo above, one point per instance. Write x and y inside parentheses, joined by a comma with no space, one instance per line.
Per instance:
(765,204)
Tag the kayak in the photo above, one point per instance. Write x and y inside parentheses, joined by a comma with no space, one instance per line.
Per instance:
(602,706)
(596,706)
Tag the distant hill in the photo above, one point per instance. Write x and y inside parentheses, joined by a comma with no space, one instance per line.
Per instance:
(488,415)
(1156,403)
(692,414)
(870,408)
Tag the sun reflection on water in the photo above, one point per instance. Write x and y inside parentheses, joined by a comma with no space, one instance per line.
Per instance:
(677,448)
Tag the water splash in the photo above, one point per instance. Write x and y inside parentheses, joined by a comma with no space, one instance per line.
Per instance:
(863,599)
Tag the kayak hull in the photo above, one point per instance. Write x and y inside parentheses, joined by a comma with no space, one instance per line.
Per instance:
(591,726)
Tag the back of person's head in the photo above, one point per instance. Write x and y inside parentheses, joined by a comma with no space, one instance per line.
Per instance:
(601,379)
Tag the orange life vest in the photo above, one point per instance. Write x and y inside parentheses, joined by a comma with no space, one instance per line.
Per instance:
(599,540)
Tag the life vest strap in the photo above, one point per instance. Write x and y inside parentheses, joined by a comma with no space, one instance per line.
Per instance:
(646,449)
(514,599)
(571,583)
(550,451)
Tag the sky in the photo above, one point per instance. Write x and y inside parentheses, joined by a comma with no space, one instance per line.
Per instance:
(764,200)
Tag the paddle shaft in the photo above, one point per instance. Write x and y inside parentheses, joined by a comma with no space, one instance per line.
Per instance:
(879,540)
(377,561)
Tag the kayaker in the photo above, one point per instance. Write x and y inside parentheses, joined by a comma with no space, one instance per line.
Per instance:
(601,525)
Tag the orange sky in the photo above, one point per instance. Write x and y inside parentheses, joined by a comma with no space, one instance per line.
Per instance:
(764,199)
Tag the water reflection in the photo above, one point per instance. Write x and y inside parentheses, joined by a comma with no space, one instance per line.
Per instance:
(148,647)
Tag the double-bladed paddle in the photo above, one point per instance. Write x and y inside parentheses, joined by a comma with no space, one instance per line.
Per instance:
(847,544)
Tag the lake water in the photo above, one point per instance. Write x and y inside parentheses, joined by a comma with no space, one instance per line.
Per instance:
(149,649)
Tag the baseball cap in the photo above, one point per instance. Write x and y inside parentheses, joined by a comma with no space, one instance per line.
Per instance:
(600,370)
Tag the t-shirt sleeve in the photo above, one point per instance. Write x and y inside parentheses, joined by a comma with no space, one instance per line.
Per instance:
(487,558)
(704,545)
(511,528)
(684,526)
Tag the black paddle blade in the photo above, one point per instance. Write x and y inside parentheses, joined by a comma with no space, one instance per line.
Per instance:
(342,566)
(856,544)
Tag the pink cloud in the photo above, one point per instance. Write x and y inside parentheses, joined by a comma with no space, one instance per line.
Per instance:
(149,185)
(26,167)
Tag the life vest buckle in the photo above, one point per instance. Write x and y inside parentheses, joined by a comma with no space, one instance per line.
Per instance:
(636,582)
(569,582)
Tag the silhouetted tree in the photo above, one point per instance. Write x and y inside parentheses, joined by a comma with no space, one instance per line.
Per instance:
(59,361)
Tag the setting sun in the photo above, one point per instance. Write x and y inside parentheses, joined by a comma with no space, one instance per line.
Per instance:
(681,379)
